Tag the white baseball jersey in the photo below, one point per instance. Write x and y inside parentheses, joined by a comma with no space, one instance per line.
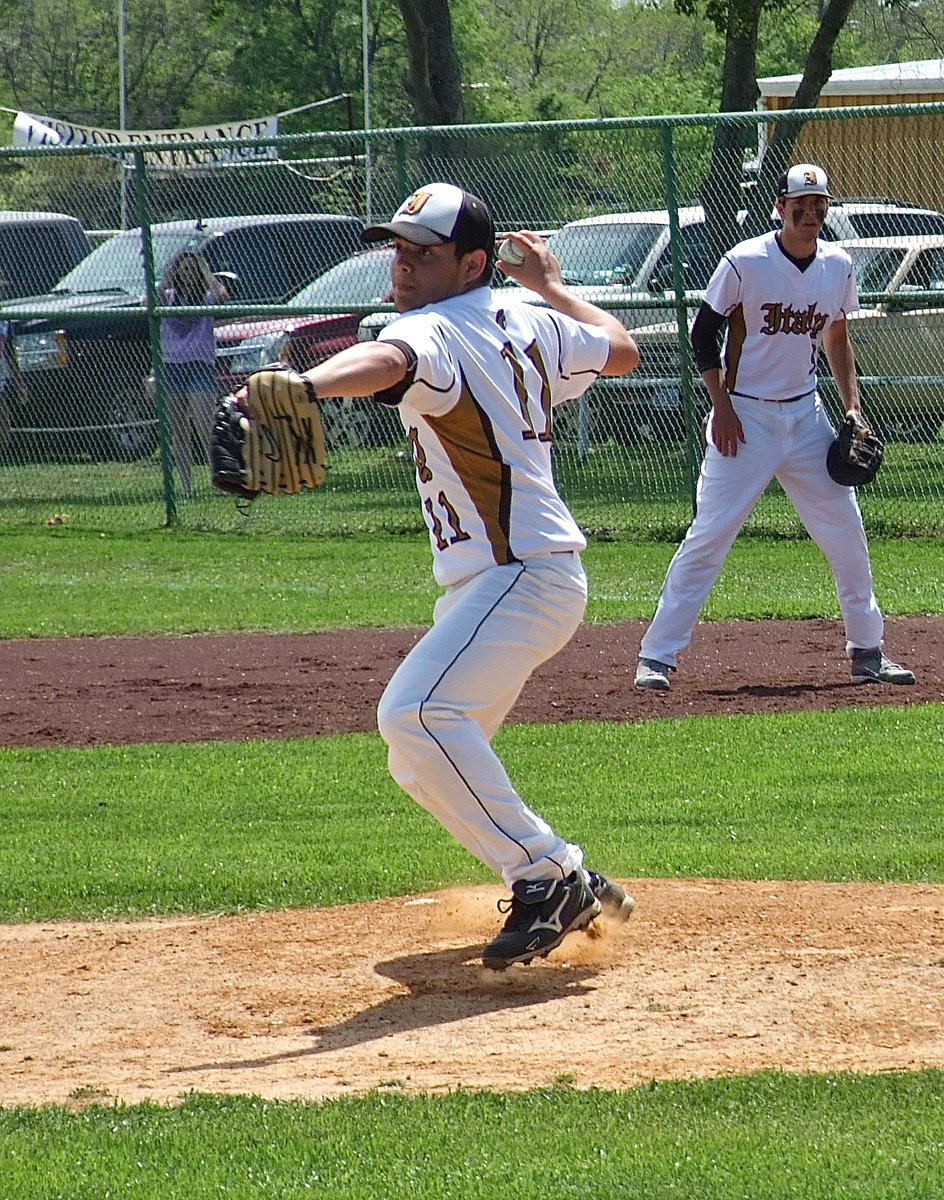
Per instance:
(478,415)
(777,314)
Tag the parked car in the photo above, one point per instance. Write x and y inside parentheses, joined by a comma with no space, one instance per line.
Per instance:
(868,217)
(623,261)
(36,249)
(897,342)
(78,372)
(302,341)
(627,257)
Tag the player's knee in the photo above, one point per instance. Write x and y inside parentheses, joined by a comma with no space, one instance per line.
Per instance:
(404,719)
(398,719)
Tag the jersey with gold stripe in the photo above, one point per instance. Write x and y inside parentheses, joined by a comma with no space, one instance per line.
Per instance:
(777,314)
(479,418)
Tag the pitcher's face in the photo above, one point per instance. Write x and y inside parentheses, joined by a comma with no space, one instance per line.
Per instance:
(427,274)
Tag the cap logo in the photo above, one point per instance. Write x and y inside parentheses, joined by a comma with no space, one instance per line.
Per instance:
(415,203)
(809,179)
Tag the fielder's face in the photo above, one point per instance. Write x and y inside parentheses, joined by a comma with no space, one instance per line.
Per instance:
(427,274)
(803,216)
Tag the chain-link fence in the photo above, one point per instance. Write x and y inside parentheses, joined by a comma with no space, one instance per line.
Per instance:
(639,210)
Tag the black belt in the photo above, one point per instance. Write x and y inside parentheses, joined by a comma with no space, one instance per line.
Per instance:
(773,399)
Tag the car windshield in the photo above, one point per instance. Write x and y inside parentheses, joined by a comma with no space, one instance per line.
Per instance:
(874,266)
(118,264)
(895,224)
(363,279)
(602,254)
(926,273)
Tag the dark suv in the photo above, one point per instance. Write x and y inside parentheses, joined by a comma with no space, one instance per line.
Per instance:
(36,249)
(77,374)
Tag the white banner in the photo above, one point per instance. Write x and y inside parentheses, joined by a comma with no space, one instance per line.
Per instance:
(29,131)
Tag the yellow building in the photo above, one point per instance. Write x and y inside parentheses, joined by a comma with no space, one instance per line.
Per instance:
(895,157)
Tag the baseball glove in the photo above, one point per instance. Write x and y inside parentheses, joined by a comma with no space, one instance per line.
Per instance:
(272,441)
(856,454)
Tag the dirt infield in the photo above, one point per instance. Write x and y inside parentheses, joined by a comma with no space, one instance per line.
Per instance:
(709,977)
(109,691)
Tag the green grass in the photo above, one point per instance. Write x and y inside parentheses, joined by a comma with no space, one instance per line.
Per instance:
(765,1137)
(67,583)
(234,827)
(230,827)
(633,492)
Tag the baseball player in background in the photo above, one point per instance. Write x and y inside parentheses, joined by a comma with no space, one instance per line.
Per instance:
(475,377)
(783,295)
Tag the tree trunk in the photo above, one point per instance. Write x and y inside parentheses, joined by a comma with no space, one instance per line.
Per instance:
(816,73)
(434,83)
(722,195)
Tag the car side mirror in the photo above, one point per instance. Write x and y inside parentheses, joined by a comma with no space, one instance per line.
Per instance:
(663,281)
(230,280)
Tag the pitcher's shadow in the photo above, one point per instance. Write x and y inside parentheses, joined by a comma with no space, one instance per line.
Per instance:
(444,986)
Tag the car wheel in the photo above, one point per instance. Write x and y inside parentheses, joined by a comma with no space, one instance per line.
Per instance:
(386,429)
(347,424)
(4,424)
(648,423)
(912,427)
(130,433)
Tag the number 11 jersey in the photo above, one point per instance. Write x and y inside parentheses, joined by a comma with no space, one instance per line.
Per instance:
(477,406)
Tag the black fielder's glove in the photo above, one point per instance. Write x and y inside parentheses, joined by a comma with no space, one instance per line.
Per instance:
(856,454)
(272,441)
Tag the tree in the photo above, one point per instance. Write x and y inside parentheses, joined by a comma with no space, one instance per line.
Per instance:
(59,58)
(816,73)
(739,22)
(434,78)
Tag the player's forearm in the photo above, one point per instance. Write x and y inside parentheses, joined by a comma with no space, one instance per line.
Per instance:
(360,370)
(624,355)
(717,388)
(841,359)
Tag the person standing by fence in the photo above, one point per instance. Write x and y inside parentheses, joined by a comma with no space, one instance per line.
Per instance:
(188,348)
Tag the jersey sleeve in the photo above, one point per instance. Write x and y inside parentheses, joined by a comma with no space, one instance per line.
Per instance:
(582,354)
(723,293)
(850,298)
(706,338)
(435,384)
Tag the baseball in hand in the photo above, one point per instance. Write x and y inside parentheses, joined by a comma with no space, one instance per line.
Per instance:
(510,252)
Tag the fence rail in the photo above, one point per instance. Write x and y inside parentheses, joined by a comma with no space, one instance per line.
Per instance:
(90,434)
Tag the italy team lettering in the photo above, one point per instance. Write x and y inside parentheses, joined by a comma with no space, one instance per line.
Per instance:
(784,318)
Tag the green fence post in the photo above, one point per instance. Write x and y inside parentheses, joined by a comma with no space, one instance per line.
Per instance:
(681,311)
(154,333)
(400,155)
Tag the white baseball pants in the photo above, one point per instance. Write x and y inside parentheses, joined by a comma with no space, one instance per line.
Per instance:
(789,442)
(451,693)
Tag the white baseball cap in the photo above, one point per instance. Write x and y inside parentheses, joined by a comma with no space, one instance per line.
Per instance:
(805,179)
(436,214)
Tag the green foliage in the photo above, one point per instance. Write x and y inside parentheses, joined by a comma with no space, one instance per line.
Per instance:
(521,59)
(891,32)
(88,187)
(59,57)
